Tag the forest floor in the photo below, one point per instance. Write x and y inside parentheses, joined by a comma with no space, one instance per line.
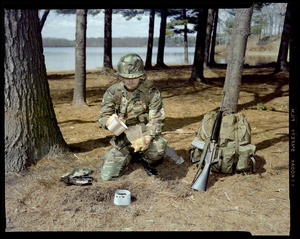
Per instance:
(36,199)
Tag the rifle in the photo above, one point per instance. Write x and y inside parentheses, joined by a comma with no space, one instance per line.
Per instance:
(200,181)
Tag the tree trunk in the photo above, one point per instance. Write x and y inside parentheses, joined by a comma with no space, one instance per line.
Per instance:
(161,42)
(148,64)
(281,64)
(185,37)
(236,58)
(107,60)
(79,96)
(31,130)
(44,17)
(197,70)
(211,60)
(210,19)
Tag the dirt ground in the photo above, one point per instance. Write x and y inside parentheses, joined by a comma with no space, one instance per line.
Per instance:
(36,200)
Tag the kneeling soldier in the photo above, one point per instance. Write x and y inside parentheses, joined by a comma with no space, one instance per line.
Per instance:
(135,101)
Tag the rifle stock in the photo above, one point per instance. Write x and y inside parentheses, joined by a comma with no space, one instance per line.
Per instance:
(200,183)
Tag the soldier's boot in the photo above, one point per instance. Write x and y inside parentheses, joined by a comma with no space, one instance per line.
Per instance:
(149,167)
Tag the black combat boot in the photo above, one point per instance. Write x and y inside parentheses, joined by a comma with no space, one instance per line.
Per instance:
(149,168)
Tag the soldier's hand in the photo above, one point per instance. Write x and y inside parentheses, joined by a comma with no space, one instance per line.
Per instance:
(148,140)
(142,143)
(110,119)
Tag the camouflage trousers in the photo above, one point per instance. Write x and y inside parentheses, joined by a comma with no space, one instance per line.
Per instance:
(116,160)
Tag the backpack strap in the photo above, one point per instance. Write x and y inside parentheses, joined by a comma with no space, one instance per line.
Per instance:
(236,142)
(144,87)
(118,97)
(236,139)
(253,163)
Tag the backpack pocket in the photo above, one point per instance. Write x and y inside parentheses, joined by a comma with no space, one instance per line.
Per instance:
(246,159)
(226,161)
(231,162)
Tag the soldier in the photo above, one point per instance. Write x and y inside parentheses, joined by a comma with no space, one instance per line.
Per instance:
(134,100)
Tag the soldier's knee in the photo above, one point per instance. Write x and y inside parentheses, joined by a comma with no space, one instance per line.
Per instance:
(110,171)
(114,164)
(106,175)
(156,149)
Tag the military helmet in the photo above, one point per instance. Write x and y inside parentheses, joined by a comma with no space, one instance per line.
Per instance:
(130,65)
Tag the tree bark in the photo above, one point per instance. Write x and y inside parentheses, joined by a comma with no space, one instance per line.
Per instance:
(197,70)
(211,60)
(236,58)
(31,130)
(161,42)
(107,60)
(148,64)
(79,96)
(281,64)
(210,19)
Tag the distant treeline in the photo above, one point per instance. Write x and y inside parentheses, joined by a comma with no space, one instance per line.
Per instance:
(119,42)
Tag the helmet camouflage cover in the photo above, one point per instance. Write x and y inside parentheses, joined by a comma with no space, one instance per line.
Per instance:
(130,66)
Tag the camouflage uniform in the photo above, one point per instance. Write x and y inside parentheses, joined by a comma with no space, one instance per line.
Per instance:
(144,107)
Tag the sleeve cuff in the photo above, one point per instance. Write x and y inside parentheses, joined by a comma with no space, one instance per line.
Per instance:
(102,122)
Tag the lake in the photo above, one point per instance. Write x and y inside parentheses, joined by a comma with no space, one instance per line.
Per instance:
(63,58)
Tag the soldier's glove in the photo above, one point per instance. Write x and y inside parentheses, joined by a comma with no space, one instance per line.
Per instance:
(142,143)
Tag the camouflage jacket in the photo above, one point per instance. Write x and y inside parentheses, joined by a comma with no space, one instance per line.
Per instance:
(144,107)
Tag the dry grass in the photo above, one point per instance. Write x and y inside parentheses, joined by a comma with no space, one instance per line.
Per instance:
(36,200)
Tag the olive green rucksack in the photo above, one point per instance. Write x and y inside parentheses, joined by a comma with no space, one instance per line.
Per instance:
(236,150)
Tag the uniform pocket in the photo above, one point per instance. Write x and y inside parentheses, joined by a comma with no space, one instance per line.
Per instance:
(139,107)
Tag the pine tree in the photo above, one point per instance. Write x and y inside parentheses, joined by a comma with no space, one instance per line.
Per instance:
(31,130)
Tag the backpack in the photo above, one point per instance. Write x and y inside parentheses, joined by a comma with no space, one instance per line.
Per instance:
(235,148)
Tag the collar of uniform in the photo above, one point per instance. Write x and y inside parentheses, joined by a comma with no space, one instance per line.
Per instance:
(125,92)
(144,85)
